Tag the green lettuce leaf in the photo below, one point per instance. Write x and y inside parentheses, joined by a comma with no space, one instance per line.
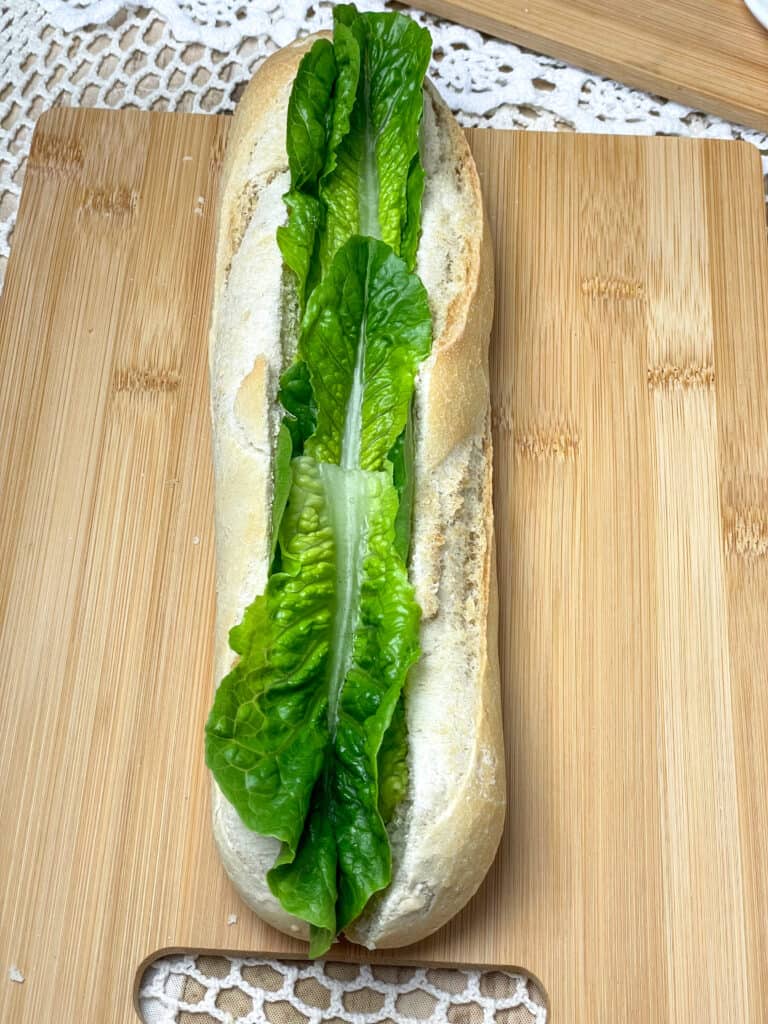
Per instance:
(353,142)
(294,736)
(402,458)
(310,115)
(370,190)
(296,397)
(348,49)
(283,479)
(310,123)
(409,243)
(366,329)
(393,763)
(267,732)
(298,240)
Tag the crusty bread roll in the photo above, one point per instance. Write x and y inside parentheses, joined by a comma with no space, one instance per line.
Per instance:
(445,833)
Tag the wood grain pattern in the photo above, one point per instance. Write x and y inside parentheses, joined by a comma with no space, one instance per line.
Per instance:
(629,373)
(708,54)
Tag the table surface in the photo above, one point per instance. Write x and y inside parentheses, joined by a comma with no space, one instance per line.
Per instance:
(198,59)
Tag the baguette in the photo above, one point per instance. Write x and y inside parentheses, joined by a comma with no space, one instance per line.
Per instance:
(445,832)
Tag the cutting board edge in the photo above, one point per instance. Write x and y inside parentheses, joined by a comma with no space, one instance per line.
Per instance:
(635,76)
(383,958)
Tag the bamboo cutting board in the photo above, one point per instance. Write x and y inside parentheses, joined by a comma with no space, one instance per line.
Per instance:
(707,54)
(630,369)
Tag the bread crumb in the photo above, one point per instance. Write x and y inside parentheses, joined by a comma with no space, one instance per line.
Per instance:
(232,919)
(195,540)
(15,975)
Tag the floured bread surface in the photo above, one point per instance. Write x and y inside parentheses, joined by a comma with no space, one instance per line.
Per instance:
(250,325)
(445,833)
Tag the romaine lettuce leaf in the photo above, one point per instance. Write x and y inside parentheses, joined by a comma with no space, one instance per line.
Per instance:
(310,115)
(348,49)
(296,398)
(299,239)
(310,121)
(366,329)
(353,142)
(402,458)
(393,763)
(296,728)
(282,477)
(409,243)
(267,732)
(367,191)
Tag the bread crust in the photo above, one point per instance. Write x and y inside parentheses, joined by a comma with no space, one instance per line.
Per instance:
(446,832)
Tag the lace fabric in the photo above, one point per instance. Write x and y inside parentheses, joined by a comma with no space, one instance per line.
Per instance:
(188,990)
(196,55)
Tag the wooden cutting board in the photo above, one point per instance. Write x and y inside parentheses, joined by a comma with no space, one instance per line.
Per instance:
(630,373)
(707,54)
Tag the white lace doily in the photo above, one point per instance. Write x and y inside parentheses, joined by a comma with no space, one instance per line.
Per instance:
(195,55)
(250,990)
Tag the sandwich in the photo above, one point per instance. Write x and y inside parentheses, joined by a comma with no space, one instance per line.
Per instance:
(355,738)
